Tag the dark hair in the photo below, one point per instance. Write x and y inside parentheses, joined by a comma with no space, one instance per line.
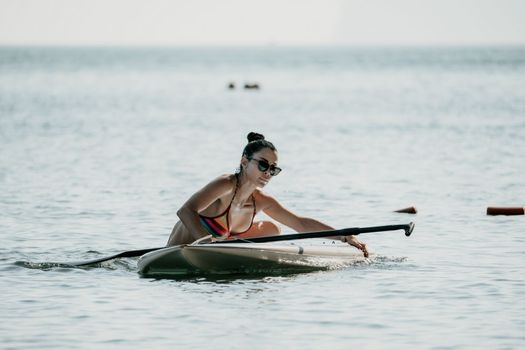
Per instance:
(256,142)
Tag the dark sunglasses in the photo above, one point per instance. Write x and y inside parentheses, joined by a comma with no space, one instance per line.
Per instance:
(263,166)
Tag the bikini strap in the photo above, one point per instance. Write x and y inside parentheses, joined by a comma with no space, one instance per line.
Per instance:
(236,187)
(254,208)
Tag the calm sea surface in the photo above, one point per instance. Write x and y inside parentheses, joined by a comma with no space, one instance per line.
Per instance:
(99,147)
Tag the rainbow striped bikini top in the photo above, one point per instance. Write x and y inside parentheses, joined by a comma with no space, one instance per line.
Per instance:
(219,226)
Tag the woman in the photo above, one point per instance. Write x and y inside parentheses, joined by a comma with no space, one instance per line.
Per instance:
(226,207)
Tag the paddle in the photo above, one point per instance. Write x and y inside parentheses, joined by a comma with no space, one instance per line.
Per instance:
(128,254)
(408,228)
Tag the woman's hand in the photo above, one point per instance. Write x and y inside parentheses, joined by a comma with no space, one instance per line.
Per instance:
(352,240)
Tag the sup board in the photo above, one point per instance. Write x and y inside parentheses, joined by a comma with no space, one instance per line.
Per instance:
(244,258)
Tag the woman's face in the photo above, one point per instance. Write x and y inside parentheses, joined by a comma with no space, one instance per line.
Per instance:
(261,165)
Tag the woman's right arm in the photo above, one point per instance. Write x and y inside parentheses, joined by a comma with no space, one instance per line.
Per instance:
(189,212)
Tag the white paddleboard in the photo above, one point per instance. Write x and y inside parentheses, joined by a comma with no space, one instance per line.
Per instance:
(251,258)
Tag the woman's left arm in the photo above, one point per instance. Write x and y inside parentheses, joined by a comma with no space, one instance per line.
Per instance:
(278,212)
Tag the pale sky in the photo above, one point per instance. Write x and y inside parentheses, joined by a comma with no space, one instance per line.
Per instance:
(262,22)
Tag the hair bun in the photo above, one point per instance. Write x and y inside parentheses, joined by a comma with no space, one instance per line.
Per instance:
(253,136)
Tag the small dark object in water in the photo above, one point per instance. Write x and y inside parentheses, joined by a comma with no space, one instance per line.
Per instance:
(505,211)
(253,86)
(231,86)
(409,210)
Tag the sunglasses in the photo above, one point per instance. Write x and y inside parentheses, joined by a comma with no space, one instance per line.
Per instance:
(263,165)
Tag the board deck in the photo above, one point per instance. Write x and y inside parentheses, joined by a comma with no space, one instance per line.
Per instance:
(244,258)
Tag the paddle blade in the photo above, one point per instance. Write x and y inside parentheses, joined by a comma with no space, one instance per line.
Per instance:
(127,254)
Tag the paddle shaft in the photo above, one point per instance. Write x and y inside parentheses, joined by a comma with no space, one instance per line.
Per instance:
(408,228)
(354,231)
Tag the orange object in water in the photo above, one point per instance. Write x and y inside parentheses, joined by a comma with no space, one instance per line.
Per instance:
(505,211)
(409,210)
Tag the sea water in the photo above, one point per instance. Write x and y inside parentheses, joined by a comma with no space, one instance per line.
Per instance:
(99,147)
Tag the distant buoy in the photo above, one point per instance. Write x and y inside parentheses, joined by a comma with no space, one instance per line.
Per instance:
(505,211)
(231,86)
(409,210)
(253,86)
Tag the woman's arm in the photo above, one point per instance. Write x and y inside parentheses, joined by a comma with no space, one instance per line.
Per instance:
(189,212)
(276,211)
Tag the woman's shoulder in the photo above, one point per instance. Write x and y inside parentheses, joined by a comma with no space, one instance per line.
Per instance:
(225,182)
(226,178)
